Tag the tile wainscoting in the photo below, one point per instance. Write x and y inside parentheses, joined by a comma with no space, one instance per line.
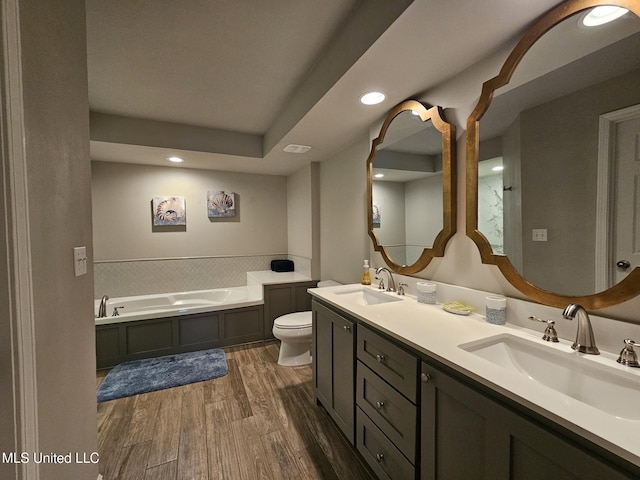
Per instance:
(144,277)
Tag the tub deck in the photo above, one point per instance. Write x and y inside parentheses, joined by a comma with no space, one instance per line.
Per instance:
(142,307)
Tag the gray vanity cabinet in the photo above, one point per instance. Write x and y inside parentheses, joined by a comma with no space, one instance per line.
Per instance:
(333,366)
(386,412)
(465,434)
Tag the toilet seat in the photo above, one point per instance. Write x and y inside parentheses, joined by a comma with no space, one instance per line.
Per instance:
(294,320)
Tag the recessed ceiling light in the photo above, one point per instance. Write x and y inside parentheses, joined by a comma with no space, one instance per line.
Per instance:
(372,98)
(603,14)
(293,148)
(498,168)
(175,159)
(379,175)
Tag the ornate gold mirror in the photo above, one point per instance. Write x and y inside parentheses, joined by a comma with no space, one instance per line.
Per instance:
(412,187)
(552,192)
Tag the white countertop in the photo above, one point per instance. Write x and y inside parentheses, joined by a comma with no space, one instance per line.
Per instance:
(436,333)
(268,277)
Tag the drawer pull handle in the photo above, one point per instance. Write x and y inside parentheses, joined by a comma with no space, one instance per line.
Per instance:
(380,358)
(379,405)
(379,457)
(347,328)
(425,377)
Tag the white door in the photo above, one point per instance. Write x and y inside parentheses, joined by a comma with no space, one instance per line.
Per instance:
(626,252)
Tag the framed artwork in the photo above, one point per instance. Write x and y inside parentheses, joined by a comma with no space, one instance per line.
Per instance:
(169,211)
(221,204)
(376,214)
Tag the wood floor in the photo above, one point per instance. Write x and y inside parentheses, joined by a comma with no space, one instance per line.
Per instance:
(260,421)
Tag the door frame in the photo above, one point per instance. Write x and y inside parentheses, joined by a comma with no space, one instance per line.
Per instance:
(16,291)
(605,218)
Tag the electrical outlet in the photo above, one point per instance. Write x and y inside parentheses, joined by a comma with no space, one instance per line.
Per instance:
(539,234)
(80,260)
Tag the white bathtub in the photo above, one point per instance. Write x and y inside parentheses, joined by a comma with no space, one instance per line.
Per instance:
(142,307)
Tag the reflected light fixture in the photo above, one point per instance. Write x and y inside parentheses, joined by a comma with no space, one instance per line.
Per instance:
(175,159)
(603,14)
(498,168)
(379,175)
(372,98)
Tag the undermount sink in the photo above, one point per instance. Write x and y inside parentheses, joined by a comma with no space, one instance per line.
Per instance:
(366,296)
(607,388)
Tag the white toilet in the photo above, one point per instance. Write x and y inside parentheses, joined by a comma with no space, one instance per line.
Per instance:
(294,332)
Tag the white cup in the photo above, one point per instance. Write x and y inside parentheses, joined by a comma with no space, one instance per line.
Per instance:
(426,292)
(496,310)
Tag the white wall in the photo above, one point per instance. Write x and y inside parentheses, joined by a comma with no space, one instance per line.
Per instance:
(122,219)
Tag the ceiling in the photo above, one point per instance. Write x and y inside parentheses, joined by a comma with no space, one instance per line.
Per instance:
(228,84)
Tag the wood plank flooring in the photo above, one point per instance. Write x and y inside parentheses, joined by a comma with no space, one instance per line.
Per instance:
(260,421)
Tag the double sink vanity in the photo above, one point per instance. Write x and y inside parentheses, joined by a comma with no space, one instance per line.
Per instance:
(423,393)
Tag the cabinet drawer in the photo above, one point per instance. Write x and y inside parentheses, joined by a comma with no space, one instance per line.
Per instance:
(382,456)
(396,366)
(391,412)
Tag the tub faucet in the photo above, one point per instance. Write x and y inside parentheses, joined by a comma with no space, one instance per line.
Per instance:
(392,285)
(585,342)
(102,310)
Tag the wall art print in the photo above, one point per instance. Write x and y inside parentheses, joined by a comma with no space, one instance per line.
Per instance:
(169,211)
(375,208)
(221,204)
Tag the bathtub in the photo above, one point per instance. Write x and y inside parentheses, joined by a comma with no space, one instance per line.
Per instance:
(143,307)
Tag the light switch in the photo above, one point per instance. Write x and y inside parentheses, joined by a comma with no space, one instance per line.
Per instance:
(539,234)
(80,260)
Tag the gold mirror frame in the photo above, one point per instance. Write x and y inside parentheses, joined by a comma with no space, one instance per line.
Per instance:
(627,288)
(447,132)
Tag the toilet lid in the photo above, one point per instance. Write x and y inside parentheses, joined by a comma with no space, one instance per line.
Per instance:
(294,320)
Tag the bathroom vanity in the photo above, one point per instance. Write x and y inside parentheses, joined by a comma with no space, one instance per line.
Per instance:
(412,387)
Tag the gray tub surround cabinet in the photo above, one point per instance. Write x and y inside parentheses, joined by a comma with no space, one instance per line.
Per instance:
(232,325)
(416,405)
(124,341)
(280,299)
(280,296)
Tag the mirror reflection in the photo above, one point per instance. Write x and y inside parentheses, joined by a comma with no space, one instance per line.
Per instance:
(556,188)
(410,193)
(407,188)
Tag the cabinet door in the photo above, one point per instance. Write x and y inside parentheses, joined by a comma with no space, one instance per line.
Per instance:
(456,431)
(466,434)
(344,376)
(333,366)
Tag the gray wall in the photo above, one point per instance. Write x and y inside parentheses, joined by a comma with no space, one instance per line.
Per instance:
(343,214)
(122,220)
(303,216)
(461,264)
(559,180)
(56,142)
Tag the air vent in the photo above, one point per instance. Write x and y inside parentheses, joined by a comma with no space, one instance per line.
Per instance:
(292,148)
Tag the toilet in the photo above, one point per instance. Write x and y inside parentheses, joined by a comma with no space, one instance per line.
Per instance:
(294,332)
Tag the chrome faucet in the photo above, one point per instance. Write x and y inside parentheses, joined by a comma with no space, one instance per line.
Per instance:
(392,283)
(585,342)
(102,310)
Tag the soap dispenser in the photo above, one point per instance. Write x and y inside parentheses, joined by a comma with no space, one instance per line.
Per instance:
(366,276)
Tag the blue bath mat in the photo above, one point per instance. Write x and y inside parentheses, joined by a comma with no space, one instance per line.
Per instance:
(150,374)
